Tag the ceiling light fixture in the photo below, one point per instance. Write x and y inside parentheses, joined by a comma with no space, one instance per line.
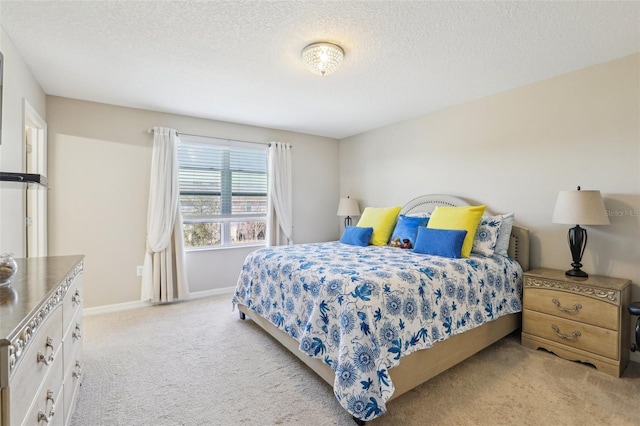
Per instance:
(322,58)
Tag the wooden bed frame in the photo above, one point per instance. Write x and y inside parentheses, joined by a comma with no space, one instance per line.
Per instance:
(420,366)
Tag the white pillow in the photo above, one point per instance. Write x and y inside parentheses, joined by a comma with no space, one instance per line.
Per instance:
(419,214)
(486,236)
(504,235)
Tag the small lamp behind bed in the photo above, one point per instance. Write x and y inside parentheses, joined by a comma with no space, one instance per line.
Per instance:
(348,207)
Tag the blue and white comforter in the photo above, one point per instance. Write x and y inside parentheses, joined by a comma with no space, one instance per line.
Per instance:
(361,309)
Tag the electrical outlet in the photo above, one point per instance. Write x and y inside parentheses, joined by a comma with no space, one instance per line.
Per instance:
(139,270)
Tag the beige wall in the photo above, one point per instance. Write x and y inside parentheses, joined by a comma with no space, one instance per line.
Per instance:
(19,86)
(99,166)
(514,151)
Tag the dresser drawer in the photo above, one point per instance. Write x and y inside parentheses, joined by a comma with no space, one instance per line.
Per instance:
(47,407)
(72,302)
(572,306)
(587,337)
(45,399)
(46,344)
(73,341)
(72,379)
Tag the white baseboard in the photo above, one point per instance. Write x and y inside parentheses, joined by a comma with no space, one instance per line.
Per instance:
(97,310)
(143,304)
(214,292)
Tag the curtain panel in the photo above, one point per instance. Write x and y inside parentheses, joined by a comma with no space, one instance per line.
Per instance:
(280,199)
(164,278)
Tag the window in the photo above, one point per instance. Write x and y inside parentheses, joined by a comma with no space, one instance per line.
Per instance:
(223,192)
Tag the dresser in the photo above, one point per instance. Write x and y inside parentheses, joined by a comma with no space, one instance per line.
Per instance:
(41,341)
(578,319)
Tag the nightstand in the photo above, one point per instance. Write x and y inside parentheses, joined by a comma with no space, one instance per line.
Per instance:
(578,319)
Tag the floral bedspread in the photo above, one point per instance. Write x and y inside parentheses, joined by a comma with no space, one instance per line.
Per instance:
(361,309)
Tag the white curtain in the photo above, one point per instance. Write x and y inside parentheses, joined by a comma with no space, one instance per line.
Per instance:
(280,204)
(164,278)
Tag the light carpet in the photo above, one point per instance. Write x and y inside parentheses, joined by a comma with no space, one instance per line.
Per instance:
(196,363)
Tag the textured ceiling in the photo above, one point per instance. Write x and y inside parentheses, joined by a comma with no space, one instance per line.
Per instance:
(239,61)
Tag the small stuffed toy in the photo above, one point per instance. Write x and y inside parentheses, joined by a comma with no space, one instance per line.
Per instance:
(396,243)
(406,244)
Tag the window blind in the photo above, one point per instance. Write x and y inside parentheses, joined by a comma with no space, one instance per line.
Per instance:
(219,178)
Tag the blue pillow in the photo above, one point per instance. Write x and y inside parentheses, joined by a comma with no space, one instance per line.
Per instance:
(357,236)
(407,228)
(440,242)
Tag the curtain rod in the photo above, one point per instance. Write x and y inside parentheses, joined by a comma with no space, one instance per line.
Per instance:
(150,130)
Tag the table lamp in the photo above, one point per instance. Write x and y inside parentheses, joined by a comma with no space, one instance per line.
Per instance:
(579,208)
(348,207)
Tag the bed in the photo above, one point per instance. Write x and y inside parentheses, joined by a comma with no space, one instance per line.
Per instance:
(375,322)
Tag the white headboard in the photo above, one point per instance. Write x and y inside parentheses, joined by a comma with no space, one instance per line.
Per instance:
(518,245)
(428,203)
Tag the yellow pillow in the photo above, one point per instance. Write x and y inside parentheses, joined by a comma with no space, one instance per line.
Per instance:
(467,217)
(382,220)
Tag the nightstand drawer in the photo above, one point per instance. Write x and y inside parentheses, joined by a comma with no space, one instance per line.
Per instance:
(589,338)
(572,306)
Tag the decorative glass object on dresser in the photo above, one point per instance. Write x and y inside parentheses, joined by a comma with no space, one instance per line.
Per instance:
(8,268)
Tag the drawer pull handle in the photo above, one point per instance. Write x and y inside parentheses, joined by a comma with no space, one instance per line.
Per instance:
(42,357)
(43,417)
(573,310)
(574,335)
(78,371)
(76,298)
(77,333)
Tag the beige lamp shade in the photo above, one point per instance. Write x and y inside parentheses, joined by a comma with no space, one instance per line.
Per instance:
(348,207)
(580,208)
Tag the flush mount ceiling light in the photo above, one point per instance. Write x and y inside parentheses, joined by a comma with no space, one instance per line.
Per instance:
(322,58)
